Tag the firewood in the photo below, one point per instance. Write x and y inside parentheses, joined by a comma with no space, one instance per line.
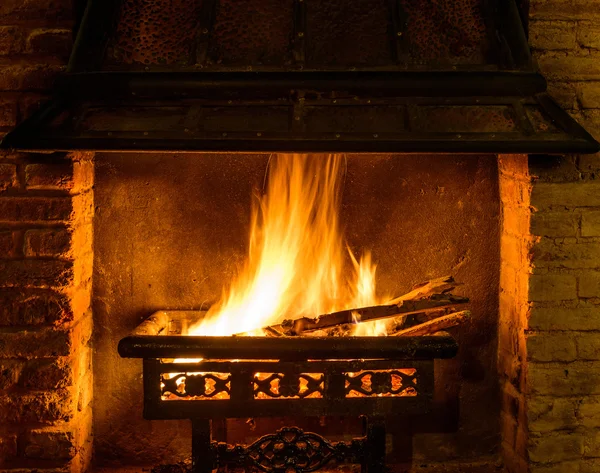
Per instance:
(418,318)
(427,288)
(272,332)
(364,314)
(436,325)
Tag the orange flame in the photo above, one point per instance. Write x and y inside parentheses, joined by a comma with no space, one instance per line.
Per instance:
(296,263)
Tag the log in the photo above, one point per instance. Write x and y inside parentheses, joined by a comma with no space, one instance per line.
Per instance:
(392,326)
(418,318)
(435,325)
(363,314)
(428,288)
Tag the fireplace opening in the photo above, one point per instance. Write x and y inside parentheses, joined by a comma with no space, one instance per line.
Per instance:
(439,215)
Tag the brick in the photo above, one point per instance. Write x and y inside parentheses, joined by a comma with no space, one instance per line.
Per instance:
(55,41)
(53,176)
(589,163)
(590,223)
(513,165)
(592,444)
(23,307)
(52,242)
(36,273)
(12,40)
(557,168)
(37,407)
(548,35)
(588,93)
(545,196)
(549,414)
(49,444)
(552,287)
(562,467)
(34,209)
(513,192)
(555,224)
(52,10)
(583,318)
(8,114)
(8,177)
(590,121)
(588,35)
(86,391)
(565,9)
(550,347)
(508,280)
(588,346)
(8,447)
(588,411)
(516,221)
(46,342)
(28,77)
(46,374)
(589,284)
(548,254)
(7,245)
(564,379)
(512,250)
(556,448)
(565,66)
(10,371)
(564,93)
(589,466)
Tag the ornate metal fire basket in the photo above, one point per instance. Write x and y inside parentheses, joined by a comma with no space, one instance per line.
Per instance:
(208,379)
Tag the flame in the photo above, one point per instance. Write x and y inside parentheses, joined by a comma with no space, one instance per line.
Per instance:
(297,263)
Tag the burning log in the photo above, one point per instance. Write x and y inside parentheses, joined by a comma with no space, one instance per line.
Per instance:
(364,314)
(436,325)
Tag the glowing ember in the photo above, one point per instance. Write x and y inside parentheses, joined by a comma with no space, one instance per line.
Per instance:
(297,264)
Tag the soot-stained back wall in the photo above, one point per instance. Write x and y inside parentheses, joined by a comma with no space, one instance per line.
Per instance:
(171,230)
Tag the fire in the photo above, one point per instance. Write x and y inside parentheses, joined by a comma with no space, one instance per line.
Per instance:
(297,262)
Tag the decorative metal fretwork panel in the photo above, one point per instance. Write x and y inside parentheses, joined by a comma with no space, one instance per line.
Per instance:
(288,385)
(195,385)
(381,383)
(289,450)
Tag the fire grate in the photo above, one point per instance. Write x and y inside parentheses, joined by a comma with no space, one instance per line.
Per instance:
(208,379)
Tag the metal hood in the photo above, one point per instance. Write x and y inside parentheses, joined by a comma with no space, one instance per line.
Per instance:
(302,75)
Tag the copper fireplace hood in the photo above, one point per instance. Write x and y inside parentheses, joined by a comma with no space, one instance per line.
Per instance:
(302,75)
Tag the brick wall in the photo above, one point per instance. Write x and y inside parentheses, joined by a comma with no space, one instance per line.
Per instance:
(45,260)
(45,319)
(565,39)
(550,307)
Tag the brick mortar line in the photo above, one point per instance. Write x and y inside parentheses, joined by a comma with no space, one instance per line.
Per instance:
(43,225)
(41,193)
(41,258)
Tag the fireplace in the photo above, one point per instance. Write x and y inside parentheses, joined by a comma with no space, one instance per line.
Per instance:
(154,145)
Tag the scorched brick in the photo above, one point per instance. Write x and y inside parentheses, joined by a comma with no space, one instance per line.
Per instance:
(33,307)
(46,342)
(35,209)
(36,273)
